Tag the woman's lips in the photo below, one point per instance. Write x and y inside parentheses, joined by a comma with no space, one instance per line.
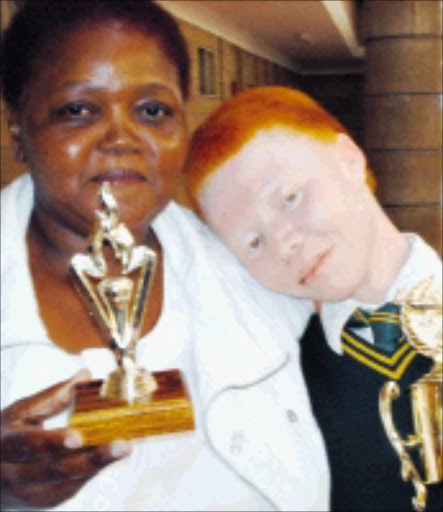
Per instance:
(119,177)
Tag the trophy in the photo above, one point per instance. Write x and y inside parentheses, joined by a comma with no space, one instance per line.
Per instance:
(421,321)
(131,402)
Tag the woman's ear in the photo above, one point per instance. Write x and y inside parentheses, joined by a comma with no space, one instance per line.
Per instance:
(15,132)
(352,157)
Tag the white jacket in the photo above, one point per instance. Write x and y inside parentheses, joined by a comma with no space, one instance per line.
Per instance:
(256,445)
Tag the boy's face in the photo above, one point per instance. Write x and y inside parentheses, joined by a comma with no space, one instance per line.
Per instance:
(292,210)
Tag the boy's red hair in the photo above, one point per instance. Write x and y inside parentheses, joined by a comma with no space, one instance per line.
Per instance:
(237,120)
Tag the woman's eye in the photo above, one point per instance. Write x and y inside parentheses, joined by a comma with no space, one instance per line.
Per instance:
(76,111)
(153,111)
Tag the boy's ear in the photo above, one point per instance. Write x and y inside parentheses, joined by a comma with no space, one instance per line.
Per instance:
(15,132)
(352,157)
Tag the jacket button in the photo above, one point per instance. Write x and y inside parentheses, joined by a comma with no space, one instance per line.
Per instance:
(292,417)
(237,442)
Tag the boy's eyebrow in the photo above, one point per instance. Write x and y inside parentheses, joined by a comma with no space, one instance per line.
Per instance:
(267,188)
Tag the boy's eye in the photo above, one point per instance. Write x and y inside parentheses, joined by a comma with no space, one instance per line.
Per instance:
(76,110)
(153,111)
(292,199)
(255,243)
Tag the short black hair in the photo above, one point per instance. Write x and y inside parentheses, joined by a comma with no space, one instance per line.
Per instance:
(39,24)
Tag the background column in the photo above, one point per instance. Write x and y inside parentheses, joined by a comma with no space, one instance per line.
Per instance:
(403,111)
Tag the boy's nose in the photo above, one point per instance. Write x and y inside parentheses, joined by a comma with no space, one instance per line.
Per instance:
(287,241)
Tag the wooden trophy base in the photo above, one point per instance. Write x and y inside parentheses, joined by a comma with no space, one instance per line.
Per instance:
(101,420)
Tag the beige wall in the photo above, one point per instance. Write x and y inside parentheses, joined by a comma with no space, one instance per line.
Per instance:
(233,64)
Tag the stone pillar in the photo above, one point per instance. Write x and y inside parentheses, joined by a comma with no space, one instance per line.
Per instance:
(403,111)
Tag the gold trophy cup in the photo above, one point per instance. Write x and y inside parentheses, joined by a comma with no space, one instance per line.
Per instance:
(421,321)
(131,402)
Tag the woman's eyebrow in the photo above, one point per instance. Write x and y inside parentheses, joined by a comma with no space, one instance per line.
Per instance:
(148,88)
(77,85)
(156,88)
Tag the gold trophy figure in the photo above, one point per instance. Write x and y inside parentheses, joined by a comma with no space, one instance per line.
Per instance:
(421,320)
(131,402)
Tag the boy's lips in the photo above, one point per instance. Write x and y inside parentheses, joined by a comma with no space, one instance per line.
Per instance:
(314,268)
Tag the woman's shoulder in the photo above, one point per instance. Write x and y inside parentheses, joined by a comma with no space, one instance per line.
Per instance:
(16,206)
(22,182)
(17,195)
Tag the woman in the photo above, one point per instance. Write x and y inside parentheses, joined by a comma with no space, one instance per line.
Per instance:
(95,92)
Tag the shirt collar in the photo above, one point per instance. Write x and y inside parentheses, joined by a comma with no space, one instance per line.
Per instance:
(422,262)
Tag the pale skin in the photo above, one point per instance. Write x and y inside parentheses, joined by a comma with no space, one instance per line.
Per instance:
(299,216)
(114,114)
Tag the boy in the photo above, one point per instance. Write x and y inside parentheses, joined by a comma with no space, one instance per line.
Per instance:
(289,192)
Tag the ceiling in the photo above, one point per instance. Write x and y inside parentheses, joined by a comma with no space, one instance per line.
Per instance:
(308,36)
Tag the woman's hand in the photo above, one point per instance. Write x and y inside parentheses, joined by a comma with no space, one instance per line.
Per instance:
(43,468)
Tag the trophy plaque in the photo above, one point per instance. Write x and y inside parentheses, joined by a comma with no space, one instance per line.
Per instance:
(132,402)
(421,321)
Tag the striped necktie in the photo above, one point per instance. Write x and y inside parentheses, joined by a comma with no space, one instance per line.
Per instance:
(390,354)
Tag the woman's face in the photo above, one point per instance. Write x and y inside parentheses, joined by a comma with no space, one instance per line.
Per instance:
(106,106)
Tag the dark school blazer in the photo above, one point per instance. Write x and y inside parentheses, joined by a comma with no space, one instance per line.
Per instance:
(365,469)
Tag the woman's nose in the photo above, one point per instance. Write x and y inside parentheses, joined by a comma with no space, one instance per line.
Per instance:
(120,136)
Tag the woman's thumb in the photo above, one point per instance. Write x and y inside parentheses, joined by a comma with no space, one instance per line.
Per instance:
(50,401)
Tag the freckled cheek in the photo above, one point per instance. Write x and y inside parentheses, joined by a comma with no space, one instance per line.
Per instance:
(267,273)
(312,215)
